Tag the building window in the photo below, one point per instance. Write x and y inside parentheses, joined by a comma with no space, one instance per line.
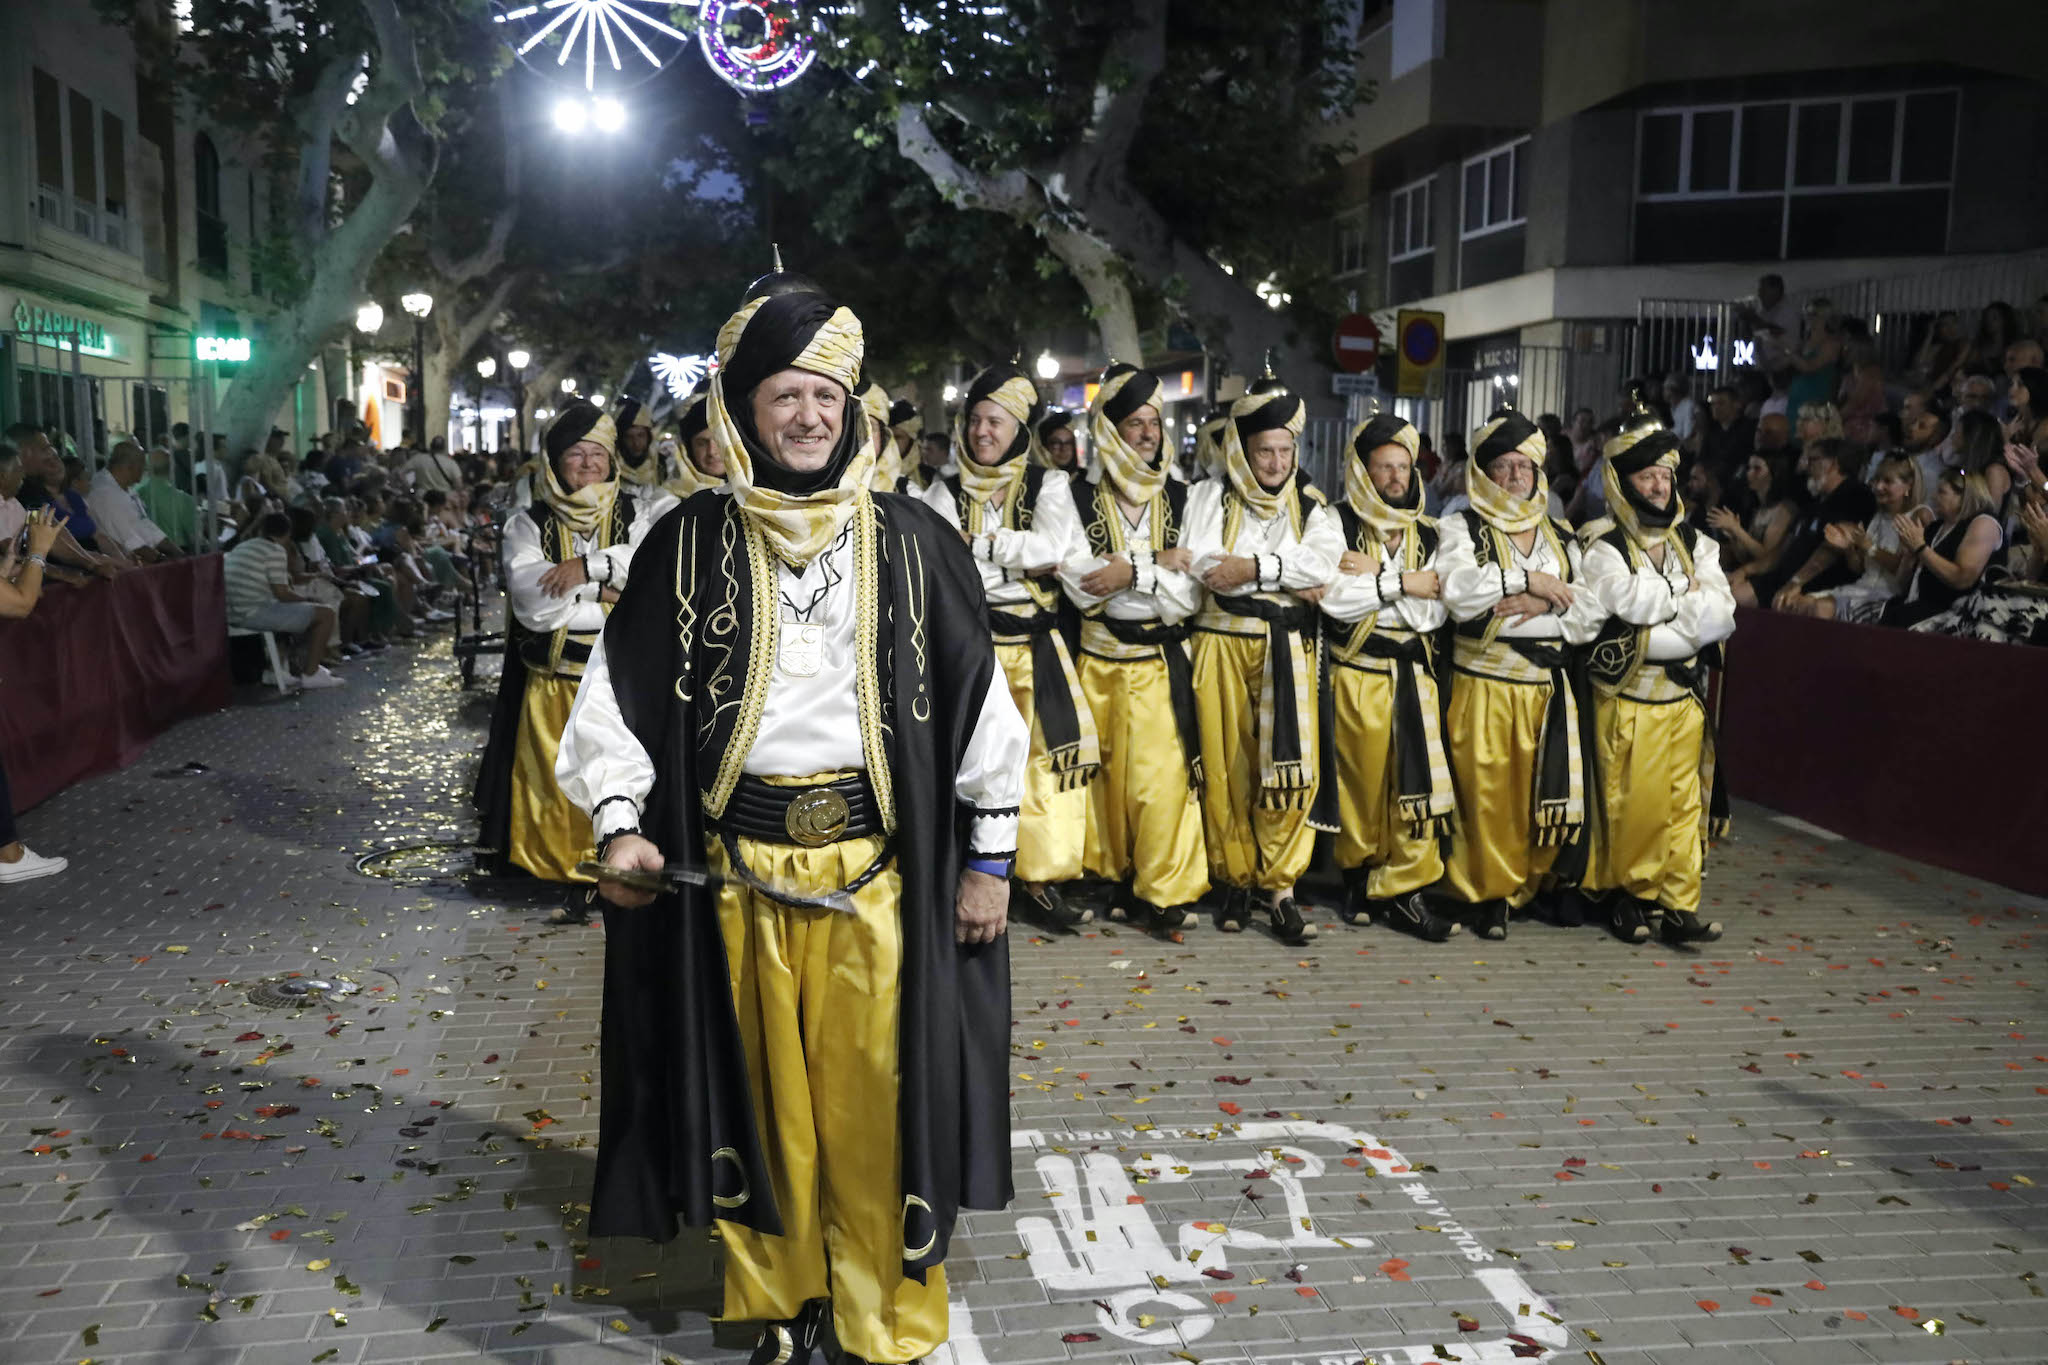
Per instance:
(1410,231)
(1788,179)
(81,164)
(1495,196)
(213,229)
(1351,242)
(114,182)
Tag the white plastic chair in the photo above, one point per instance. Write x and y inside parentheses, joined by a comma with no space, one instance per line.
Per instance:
(278,672)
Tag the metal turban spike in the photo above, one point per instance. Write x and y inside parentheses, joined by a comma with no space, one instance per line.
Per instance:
(1268,381)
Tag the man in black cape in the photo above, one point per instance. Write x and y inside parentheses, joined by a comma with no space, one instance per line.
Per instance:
(796,701)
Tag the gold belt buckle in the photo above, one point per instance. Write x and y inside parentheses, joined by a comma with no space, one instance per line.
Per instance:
(817,817)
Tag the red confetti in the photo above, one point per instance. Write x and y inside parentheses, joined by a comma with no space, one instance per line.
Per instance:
(250,1037)
(1078,1338)
(1708,1306)
(280,1234)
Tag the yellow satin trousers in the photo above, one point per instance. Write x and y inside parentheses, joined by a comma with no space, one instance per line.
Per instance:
(1052,825)
(1248,844)
(1144,822)
(815,992)
(1494,732)
(1650,842)
(549,835)
(1370,831)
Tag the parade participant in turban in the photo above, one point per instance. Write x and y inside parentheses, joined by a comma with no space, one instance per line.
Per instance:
(639,466)
(1668,608)
(567,556)
(1392,779)
(1209,444)
(874,403)
(698,465)
(797,703)
(1058,447)
(903,426)
(1018,519)
(1135,593)
(1265,545)
(1516,722)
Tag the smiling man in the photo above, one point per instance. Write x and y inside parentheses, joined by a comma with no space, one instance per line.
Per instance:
(1265,545)
(1668,607)
(1018,520)
(796,708)
(1135,593)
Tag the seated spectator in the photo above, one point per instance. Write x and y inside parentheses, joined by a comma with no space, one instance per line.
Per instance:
(1950,555)
(266,466)
(13,516)
(396,546)
(1755,544)
(1887,440)
(433,469)
(78,518)
(260,597)
(2013,609)
(314,579)
(1773,433)
(1976,393)
(1941,353)
(1875,550)
(1980,450)
(42,478)
(2028,401)
(1677,396)
(167,505)
(1928,436)
(391,607)
(1862,396)
(1998,326)
(1702,494)
(1808,562)
(119,512)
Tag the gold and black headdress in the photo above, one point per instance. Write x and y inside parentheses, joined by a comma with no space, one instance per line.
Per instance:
(1124,390)
(582,510)
(1508,432)
(1384,517)
(1641,443)
(1267,406)
(1010,389)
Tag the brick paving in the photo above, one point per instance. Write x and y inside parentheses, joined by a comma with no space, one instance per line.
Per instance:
(1818,1142)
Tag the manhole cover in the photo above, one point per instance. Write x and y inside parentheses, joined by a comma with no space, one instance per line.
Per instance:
(435,862)
(295,992)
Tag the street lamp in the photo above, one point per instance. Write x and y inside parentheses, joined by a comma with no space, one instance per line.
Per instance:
(369,321)
(419,305)
(517,359)
(1048,367)
(485,368)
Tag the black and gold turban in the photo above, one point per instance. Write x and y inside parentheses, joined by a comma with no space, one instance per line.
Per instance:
(582,510)
(1273,410)
(1384,517)
(1642,443)
(799,512)
(1056,420)
(1124,390)
(687,478)
(646,471)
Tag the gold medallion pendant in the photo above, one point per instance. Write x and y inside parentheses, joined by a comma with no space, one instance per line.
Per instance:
(817,817)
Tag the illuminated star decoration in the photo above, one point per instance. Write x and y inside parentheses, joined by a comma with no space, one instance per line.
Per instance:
(591,22)
(680,373)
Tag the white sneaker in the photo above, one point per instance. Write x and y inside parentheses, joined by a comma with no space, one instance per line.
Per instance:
(31,866)
(435,614)
(270,679)
(319,678)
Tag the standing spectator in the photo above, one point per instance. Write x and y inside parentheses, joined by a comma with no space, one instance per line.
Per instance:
(345,467)
(433,470)
(181,455)
(165,504)
(267,466)
(18,595)
(1773,322)
(1816,369)
(260,597)
(1678,398)
(119,512)
(1863,393)
(1951,555)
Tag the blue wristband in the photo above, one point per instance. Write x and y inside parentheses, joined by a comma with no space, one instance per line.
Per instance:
(994,867)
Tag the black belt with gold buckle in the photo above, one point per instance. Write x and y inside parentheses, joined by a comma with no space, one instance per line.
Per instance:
(809,817)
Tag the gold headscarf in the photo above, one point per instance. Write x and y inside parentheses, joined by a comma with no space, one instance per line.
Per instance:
(1209,444)
(1508,432)
(686,480)
(647,474)
(1008,389)
(1125,389)
(797,526)
(874,405)
(1252,414)
(1385,519)
(583,510)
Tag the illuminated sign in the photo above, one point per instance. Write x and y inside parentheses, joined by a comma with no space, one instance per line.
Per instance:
(220,348)
(49,327)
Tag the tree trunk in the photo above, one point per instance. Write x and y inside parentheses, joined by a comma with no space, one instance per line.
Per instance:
(1096,267)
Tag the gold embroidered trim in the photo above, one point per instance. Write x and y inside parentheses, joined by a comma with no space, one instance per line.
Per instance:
(753,698)
(867,587)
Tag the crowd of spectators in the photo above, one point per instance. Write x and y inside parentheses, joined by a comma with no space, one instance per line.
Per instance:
(344,550)
(1910,496)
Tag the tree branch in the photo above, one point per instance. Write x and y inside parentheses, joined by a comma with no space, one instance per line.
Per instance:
(395,81)
(491,254)
(1139,50)
(1011,192)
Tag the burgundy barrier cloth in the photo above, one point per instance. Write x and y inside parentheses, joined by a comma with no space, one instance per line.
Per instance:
(1922,745)
(95,673)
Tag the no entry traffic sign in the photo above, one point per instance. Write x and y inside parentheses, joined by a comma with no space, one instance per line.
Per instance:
(1356,345)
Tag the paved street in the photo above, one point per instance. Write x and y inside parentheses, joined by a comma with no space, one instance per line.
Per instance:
(1820,1142)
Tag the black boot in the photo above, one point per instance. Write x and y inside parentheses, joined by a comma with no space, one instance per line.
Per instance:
(1054,908)
(1411,915)
(1237,908)
(1356,907)
(1490,919)
(1568,905)
(1682,928)
(1168,919)
(1288,924)
(1123,904)
(1627,918)
(794,1342)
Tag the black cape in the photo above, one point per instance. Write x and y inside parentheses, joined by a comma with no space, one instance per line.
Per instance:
(676,1132)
